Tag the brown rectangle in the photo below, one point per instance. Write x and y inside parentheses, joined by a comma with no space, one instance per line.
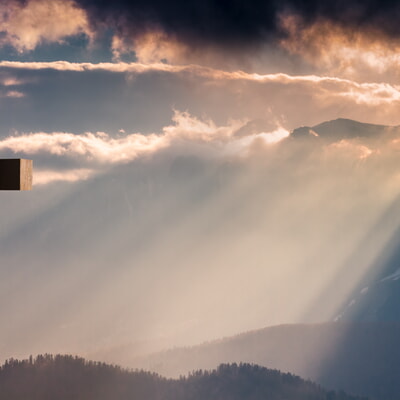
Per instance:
(15,174)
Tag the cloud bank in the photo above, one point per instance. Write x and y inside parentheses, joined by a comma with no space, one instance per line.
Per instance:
(187,135)
(72,157)
(353,39)
(178,31)
(240,22)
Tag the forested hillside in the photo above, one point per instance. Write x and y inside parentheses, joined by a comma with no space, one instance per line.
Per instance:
(71,378)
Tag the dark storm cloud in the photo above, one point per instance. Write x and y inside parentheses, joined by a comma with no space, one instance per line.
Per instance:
(238,22)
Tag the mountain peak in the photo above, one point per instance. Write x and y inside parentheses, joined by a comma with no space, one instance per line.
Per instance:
(339,129)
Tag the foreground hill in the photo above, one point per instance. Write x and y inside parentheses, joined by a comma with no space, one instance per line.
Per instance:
(362,358)
(73,378)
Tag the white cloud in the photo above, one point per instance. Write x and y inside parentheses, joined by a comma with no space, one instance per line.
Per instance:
(187,134)
(44,177)
(99,148)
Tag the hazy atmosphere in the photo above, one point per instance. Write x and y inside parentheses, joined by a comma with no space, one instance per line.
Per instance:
(198,168)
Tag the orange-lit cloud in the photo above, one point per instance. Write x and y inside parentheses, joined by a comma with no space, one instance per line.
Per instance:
(155,45)
(11,81)
(344,51)
(351,148)
(26,25)
(369,93)
(151,47)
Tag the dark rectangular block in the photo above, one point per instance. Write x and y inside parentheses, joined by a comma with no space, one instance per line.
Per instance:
(15,174)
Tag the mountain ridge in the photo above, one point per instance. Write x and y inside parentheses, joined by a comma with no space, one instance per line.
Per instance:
(341,128)
(359,358)
(47,377)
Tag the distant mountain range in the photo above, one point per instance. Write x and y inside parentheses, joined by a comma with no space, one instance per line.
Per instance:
(73,378)
(361,358)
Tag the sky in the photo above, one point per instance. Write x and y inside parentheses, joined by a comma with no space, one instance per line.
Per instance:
(172,204)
